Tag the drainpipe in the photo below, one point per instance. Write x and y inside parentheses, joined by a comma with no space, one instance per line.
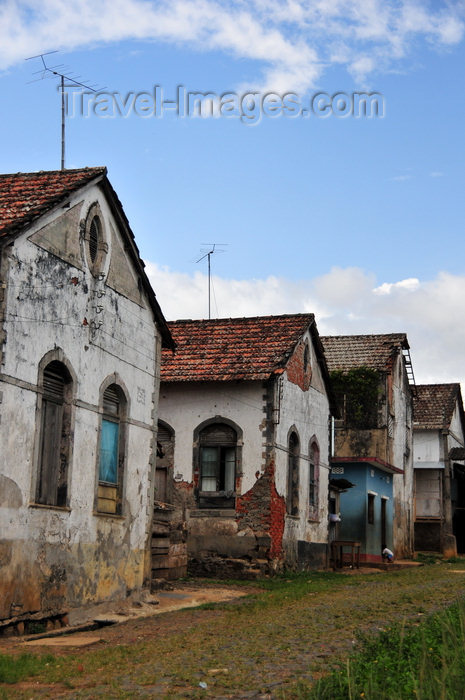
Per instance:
(448,542)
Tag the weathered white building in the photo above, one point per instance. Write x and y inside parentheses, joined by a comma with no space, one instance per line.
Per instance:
(246,406)
(438,448)
(80,346)
(372,378)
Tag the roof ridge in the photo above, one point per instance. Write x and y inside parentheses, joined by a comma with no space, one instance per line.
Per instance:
(55,172)
(242,318)
(368,335)
(451,384)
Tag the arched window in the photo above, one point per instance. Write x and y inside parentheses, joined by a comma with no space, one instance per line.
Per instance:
(95,239)
(293,475)
(313,481)
(217,478)
(111,457)
(55,435)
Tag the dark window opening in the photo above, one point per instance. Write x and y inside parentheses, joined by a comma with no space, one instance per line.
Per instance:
(94,237)
(371,509)
(293,475)
(359,396)
(164,464)
(313,476)
(55,429)
(306,357)
(217,480)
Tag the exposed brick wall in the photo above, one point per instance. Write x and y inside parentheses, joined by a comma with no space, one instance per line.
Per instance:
(278,513)
(262,510)
(183,495)
(296,373)
(253,507)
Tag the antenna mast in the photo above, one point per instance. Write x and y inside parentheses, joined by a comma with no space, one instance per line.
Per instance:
(208,256)
(72,82)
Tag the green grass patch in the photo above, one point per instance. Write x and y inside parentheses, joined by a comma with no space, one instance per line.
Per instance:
(425,662)
(286,629)
(18,668)
(429,557)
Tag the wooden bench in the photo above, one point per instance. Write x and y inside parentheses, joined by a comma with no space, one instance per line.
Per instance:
(337,553)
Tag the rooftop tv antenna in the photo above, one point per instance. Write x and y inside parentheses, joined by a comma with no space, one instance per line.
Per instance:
(72,81)
(208,254)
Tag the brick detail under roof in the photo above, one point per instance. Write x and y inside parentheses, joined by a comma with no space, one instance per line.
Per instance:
(345,352)
(230,349)
(433,405)
(26,196)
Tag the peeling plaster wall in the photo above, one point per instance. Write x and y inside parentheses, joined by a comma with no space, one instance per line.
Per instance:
(402,457)
(427,447)
(55,559)
(186,405)
(307,411)
(433,500)
(456,436)
(259,528)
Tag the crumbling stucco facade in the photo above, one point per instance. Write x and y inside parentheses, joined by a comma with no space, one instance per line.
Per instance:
(80,355)
(377,436)
(439,471)
(278,413)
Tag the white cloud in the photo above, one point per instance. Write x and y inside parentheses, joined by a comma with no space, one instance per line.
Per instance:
(344,301)
(411,284)
(400,178)
(291,40)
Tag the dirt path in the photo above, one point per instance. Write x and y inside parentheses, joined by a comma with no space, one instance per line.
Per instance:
(248,648)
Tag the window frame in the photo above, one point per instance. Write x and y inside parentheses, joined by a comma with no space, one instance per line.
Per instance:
(58,470)
(293,473)
(164,463)
(313,479)
(371,508)
(94,219)
(109,494)
(224,499)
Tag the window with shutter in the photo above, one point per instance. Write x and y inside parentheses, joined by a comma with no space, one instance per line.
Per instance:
(94,236)
(292,502)
(95,239)
(314,477)
(54,447)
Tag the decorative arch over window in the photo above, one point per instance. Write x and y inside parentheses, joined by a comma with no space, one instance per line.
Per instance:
(95,239)
(112,448)
(293,463)
(313,478)
(56,382)
(217,454)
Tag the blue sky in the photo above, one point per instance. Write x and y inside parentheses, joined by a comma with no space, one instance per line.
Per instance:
(359,220)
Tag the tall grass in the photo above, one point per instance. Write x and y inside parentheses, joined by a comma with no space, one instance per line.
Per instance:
(424,662)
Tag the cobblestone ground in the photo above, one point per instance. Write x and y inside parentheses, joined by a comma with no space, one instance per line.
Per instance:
(259,647)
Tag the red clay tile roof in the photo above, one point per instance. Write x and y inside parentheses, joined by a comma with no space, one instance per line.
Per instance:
(433,405)
(26,196)
(232,348)
(344,352)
